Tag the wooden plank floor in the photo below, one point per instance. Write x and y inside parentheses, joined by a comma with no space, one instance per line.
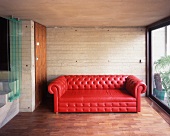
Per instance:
(43,122)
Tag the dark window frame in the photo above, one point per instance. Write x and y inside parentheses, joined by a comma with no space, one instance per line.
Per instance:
(149,55)
(5,45)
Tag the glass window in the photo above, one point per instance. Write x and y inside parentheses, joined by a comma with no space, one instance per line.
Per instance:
(160,42)
(168,40)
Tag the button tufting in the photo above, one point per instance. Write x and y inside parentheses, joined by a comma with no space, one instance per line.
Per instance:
(94,80)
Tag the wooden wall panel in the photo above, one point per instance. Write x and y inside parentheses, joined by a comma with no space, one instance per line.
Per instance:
(40,62)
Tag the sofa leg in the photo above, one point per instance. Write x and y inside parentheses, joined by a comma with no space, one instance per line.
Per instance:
(56,113)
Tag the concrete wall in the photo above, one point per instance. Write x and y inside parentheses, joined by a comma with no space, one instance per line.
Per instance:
(4,74)
(27,99)
(95,51)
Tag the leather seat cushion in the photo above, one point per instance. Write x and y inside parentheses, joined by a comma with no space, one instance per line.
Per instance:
(113,95)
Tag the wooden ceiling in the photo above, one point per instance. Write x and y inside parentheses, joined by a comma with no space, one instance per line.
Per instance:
(87,13)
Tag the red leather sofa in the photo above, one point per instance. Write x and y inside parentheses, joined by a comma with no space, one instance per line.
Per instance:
(97,93)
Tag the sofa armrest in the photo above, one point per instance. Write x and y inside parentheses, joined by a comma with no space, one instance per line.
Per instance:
(135,86)
(58,86)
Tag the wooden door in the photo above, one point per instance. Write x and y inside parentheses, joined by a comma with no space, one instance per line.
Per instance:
(40,63)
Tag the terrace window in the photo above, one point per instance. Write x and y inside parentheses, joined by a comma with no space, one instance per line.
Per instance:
(159,64)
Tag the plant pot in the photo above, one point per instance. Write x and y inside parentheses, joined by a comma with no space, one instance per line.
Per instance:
(154,92)
(160,94)
(168,97)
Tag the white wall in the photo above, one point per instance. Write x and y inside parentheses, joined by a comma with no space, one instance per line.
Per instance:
(27,99)
(158,43)
(95,51)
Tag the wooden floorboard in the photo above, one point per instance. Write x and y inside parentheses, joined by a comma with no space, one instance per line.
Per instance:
(43,122)
(159,110)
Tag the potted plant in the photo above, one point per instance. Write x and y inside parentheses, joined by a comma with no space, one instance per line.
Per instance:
(158,91)
(162,77)
(158,83)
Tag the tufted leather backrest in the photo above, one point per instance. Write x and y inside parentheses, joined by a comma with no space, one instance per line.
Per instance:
(87,82)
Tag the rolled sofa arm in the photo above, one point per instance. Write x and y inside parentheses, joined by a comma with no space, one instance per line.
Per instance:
(58,86)
(135,86)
